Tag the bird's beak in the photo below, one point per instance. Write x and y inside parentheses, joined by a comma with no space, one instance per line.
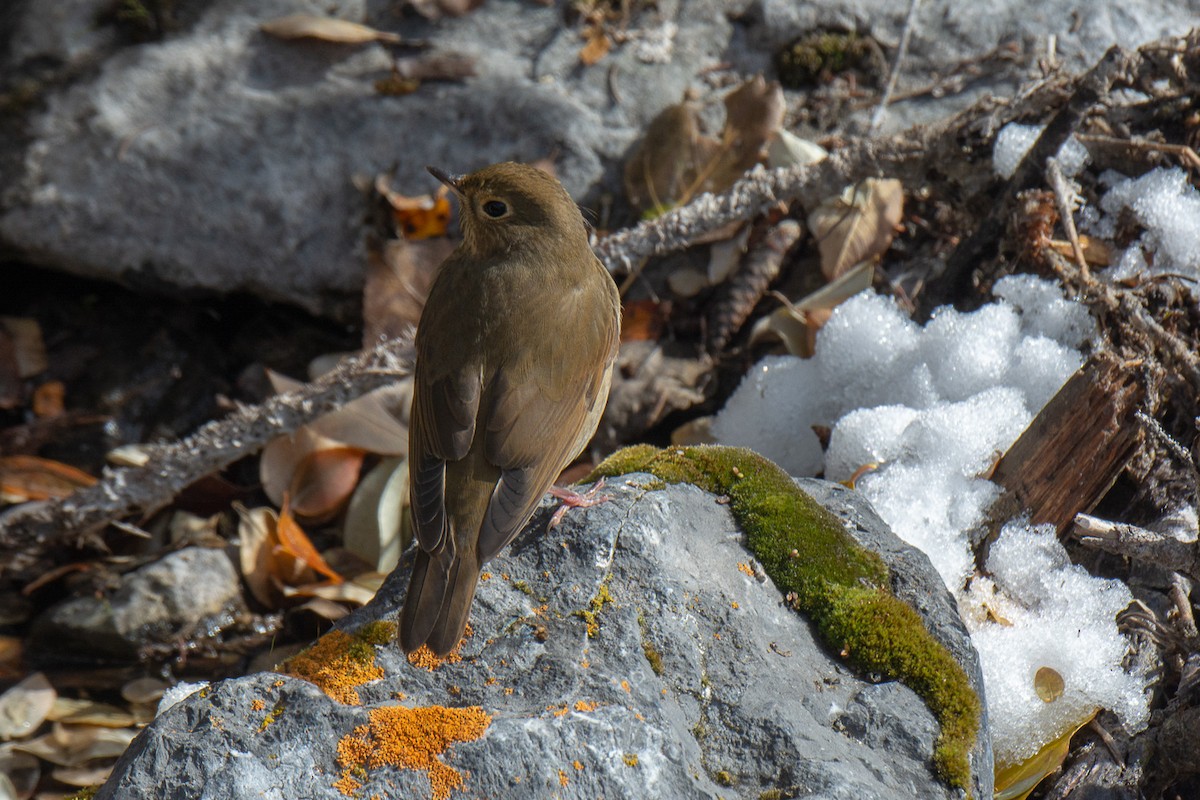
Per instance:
(450,180)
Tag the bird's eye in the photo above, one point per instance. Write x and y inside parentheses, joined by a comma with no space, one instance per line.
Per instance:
(495,209)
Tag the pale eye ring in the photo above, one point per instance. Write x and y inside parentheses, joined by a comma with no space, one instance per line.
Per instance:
(495,208)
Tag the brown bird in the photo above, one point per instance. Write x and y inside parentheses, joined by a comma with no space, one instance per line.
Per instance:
(515,349)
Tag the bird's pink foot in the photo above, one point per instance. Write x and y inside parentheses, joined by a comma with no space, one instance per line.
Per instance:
(571,499)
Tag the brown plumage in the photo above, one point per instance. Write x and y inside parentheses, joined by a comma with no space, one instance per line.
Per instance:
(515,350)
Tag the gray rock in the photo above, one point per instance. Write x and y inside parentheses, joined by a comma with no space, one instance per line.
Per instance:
(223,159)
(175,596)
(697,681)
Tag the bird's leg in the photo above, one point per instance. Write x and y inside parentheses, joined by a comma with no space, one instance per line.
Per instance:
(572,499)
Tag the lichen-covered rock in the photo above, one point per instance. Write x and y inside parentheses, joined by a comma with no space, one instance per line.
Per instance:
(636,651)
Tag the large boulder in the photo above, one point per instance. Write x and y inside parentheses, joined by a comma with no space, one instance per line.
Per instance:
(637,650)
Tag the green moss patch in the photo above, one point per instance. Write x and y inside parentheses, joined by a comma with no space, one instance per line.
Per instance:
(843,588)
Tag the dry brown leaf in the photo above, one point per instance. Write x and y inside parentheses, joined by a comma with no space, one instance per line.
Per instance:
(82,776)
(643,320)
(858,225)
(424,216)
(753,115)
(663,164)
(345,592)
(398,278)
(325,29)
(24,707)
(377,422)
(75,745)
(1096,252)
(374,528)
(29,351)
(323,482)
(436,9)
(49,400)
(325,609)
(256,552)
(1017,781)
(1048,684)
(796,324)
(143,691)
(294,542)
(12,650)
(598,43)
(19,774)
(89,712)
(440,66)
(32,478)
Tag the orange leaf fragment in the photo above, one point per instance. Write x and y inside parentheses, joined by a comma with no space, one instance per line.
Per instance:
(293,541)
(642,320)
(323,482)
(425,216)
(597,47)
(32,478)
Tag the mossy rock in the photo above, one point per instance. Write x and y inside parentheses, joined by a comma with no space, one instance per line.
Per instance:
(843,588)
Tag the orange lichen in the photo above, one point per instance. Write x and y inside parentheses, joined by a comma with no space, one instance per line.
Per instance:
(586,705)
(409,738)
(625,685)
(339,662)
(257,704)
(746,568)
(485,576)
(425,658)
(558,711)
(577,765)
(563,780)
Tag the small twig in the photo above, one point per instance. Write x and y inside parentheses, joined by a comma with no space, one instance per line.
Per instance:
(1184,153)
(1066,197)
(901,51)
(1131,541)
(1181,597)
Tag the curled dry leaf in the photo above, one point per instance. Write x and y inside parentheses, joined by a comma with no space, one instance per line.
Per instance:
(674,162)
(753,116)
(789,150)
(28,349)
(858,225)
(75,745)
(597,45)
(325,29)
(664,163)
(1017,781)
(24,707)
(142,691)
(90,712)
(33,478)
(323,482)
(256,552)
(82,776)
(420,217)
(375,422)
(1048,684)
(19,774)
(643,320)
(796,324)
(49,400)
(374,529)
(294,542)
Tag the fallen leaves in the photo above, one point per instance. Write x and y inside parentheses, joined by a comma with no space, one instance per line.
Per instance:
(25,478)
(325,29)
(857,225)
(674,162)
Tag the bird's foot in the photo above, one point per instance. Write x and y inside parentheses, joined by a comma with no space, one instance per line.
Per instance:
(572,499)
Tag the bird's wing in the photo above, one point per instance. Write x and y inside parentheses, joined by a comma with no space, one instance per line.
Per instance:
(544,406)
(447,385)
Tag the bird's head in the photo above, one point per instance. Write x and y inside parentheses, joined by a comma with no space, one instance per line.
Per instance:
(511,206)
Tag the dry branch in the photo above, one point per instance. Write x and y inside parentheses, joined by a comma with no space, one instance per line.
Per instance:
(29,530)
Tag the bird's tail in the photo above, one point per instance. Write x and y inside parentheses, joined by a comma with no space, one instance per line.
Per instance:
(438,603)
